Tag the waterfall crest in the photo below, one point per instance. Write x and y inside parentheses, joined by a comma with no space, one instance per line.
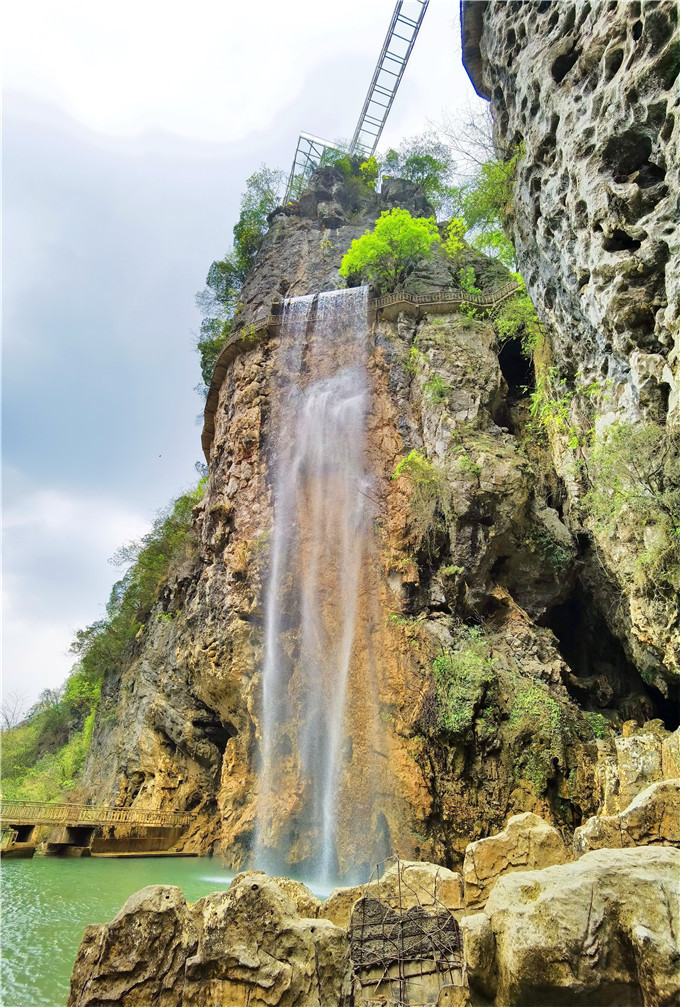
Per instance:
(321,521)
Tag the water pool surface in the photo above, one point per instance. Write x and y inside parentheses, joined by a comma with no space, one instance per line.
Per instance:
(48,901)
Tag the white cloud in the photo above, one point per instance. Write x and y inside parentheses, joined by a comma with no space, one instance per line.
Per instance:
(56,578)
(207,70)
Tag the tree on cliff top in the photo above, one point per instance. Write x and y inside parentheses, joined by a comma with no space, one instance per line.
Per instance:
(385,256)
(428,163)
(218,301)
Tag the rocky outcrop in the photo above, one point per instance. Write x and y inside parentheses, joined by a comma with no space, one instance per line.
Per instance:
(589,92)
(180,725)
(526,843)
(601,930)
(586,95)
(138,958)
(248,945)
(629,763)
(410,883)
(653,819)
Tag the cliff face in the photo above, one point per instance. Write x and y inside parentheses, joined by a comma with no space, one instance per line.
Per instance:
(476,537)
(588,92)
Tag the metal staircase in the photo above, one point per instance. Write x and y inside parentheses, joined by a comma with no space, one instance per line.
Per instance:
(401,36)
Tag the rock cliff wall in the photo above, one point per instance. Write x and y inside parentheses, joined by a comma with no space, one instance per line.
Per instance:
(475,539)
(588,94)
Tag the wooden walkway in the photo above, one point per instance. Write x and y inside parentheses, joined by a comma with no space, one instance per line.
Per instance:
(388,306)
(39,813)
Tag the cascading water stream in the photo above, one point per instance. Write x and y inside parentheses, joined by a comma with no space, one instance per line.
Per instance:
(321,520)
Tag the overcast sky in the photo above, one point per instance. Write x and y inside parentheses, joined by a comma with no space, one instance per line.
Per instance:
(129,130)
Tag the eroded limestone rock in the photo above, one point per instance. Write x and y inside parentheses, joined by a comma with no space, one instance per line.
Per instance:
(601,930)
(653,818)
(630,762)
(413,883)
(248,945)
(587,92)
(139,957)
(526,843)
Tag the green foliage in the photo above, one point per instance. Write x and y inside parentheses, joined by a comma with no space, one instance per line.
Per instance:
(430,501)
(218,302)
(516,318)
(468,279)
(262,196)
(369,171)
(41,760)
(451,570)
(634,471)
(414,357)
(170,540)
(553,404)
(468,465)
(455,234)
(462,677)
(557,554)
(539,718)
(53,775)
(386,255)
(485,204)
(436,389)
(427,162)
(210,343)
(599,724)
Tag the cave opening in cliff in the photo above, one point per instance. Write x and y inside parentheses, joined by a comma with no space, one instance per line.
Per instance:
(603,679)
(216,732)
(517,369)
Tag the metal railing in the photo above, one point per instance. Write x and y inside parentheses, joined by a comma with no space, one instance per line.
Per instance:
(401,36)
(41,813)
(399,41)
(487,298)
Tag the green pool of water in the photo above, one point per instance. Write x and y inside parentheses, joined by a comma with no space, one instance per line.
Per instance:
(48,901)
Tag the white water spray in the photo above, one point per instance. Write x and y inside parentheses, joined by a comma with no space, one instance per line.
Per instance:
(321,518)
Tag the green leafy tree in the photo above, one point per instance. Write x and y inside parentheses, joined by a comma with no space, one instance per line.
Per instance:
(634,471)
(42,758)
(485,204)
(386,255)
(369,171)
(426,161)
(219,300)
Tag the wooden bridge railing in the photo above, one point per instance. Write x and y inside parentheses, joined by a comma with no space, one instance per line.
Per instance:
(40,813)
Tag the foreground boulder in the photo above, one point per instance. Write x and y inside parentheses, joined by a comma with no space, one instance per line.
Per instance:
(248,945)
(526,843)
(412,883)
(653,818)
(599,931)
(139,957)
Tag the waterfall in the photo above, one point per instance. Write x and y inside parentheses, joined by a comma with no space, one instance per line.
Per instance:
(321,521)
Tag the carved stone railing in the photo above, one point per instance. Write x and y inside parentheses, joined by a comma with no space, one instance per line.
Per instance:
(40,813)
(438,301)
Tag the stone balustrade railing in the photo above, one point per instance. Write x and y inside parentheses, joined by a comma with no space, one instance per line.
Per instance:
(40,813)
